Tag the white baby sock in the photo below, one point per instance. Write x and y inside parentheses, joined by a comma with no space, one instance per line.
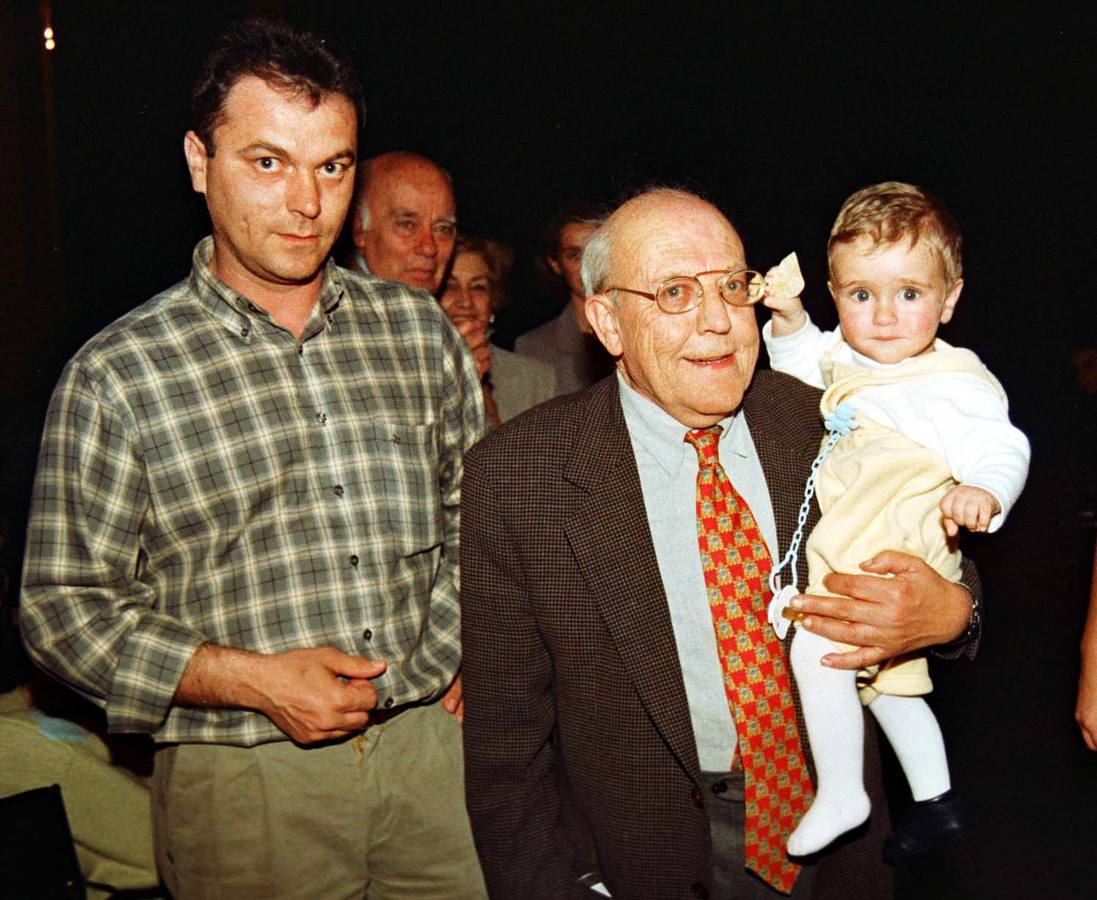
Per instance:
(835,725)
(915,736)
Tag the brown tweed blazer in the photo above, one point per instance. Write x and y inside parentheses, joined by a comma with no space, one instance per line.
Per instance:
(579,752)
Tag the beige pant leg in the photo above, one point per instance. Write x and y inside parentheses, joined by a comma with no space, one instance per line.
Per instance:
(380,815)
(422,844)
(267,821)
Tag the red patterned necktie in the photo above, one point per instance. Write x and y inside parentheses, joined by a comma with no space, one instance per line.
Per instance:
(736,566)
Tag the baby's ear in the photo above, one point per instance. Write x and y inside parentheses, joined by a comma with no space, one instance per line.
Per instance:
(951,299)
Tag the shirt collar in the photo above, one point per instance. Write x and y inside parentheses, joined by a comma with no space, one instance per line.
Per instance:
(235,311)
(663,437)
(867,362)
(874,366)
(359,264)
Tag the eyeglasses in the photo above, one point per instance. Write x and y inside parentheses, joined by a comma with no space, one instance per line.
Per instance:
(681,293)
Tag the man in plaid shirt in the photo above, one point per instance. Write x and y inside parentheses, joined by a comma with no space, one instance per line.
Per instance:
(243,538)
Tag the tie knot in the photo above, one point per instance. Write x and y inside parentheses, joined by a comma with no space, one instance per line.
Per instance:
(706,442)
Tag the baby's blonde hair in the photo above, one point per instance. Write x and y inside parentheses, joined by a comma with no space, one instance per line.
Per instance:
(890,211)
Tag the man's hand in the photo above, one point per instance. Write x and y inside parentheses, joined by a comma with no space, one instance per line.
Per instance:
(319,694)
(452,701)
(315,694)
(475,333)
(885,617)
(1085,710)
(970,507)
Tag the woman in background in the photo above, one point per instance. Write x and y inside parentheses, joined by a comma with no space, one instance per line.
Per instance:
(475,290)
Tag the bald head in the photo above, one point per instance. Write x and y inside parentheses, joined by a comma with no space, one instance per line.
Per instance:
(695,365)
(405,219)
(652,207)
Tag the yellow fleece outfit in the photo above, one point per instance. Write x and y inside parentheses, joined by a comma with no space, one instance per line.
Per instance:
(879,490)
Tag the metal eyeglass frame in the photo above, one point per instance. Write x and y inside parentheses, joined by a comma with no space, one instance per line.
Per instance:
(700,293)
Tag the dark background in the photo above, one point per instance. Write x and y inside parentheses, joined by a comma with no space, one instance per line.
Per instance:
(778,111)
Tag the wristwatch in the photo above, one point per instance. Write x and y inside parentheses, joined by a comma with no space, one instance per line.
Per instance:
(974,626)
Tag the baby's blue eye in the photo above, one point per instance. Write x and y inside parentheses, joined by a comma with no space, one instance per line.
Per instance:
(909,294)
(862,296)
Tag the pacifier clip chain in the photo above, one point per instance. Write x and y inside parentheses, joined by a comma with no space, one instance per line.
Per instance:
(838,424)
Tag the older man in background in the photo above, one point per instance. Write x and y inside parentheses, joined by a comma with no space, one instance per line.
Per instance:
(404,229)
(404,219)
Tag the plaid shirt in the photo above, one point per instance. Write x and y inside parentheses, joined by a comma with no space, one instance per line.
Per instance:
(205,476)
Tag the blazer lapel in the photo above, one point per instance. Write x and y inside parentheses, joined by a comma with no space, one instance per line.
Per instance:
(609,535)
(785,462)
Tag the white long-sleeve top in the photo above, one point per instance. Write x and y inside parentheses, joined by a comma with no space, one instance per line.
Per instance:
(960,416)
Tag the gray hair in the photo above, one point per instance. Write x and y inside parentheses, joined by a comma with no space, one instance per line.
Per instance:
(594,268)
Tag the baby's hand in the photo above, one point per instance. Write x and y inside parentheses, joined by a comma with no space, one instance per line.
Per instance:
(971,507)
(784,284)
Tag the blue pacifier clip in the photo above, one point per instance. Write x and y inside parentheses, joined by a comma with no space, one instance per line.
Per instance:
(838,424)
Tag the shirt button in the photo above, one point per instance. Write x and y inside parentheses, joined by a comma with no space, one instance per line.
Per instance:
(720,787)
(368,634)
(244,331)
(389,703)
(698,801)
(354,559)
(321,417)
(338,490)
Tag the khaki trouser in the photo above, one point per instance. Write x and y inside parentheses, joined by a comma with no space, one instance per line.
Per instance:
(380,815)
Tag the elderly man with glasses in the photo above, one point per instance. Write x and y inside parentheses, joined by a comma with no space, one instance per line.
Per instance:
(630,720)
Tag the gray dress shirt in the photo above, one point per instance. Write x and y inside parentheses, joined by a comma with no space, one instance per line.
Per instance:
(668,478)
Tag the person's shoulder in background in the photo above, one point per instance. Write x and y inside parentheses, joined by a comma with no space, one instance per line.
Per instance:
(519,382)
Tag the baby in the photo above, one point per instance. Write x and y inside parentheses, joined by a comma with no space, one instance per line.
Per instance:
(932,451)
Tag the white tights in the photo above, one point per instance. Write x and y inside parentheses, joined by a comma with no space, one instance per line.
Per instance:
(835,726)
